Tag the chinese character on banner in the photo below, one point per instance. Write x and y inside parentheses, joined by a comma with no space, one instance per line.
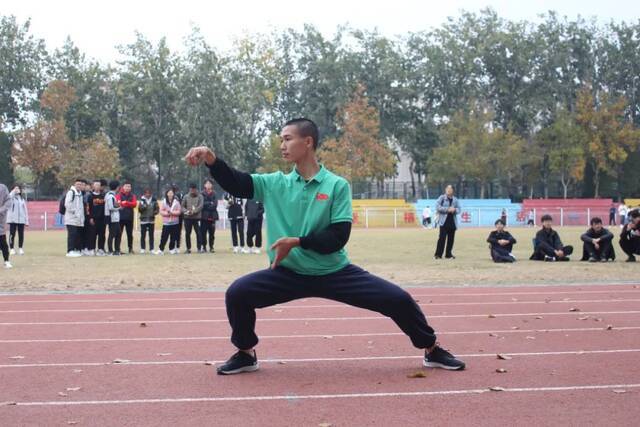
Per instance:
(466,217)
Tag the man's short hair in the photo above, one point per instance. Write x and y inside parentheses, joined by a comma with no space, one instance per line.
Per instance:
(635,213)
(80,180)
(499,221)
(114,184)
(104,182)
(193,185)
(596,220)
(306,127)
(546,217)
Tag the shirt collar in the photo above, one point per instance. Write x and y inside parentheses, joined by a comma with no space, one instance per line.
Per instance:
(318,177)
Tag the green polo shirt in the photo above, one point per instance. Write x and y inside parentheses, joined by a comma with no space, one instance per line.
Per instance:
(296,208)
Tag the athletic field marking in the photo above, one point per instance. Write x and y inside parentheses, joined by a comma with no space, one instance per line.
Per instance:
(289,307)
(317,319)
(315,360)
(35,301)
(329,396)
(373,334)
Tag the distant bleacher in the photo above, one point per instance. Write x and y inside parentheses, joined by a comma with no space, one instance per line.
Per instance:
(478,212)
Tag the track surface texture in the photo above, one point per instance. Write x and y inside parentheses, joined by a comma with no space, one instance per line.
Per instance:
(572,357)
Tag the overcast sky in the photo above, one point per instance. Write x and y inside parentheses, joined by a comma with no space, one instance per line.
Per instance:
(98,26)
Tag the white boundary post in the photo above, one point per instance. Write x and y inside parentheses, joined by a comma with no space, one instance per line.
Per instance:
(395,218)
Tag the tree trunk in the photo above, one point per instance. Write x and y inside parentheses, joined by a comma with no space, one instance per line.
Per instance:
(596,182)
(565,184)
(413,183)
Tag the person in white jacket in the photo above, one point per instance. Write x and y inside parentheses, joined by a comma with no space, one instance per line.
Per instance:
(17,218)
(5,202)
(74,218)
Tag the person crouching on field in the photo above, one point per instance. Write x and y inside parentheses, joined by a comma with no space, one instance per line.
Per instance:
(597,245)
(630,236)
(501,243)
(547,245)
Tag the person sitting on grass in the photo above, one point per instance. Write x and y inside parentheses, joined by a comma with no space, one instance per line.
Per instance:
(309,218)
(630,236)
(547,244)
(597,245)
(501,243)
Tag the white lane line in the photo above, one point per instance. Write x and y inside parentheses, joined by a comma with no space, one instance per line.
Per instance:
(316,360)
(330,396)
(324,336)
(288,307)
(318,319)
(435,295)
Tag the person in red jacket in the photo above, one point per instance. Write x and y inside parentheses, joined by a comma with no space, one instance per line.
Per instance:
(128,203)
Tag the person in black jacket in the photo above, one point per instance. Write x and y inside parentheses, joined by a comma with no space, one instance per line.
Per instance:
(547,244)
(209,217)
(630,236)
(597,243)
(97,224)
(148,209)
(501,243)
(236,218)
(178,195)
(255,211)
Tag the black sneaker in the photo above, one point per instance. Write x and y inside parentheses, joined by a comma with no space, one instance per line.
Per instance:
(548,258)
(188,251)
(450,257)
(238,363)
(441,358)
(212,251)
(631,259)
(437,257)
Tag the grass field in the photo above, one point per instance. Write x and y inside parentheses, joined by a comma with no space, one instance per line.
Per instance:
(404,256)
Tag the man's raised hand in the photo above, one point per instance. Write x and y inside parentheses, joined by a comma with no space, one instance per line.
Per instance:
(198,155)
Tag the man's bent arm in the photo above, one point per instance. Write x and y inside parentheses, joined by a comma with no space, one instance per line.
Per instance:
(234,182)
(329,240)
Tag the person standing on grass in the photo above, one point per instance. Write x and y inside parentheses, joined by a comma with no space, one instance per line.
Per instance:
(112,217)
(630,236)
(531,218)
(96,218)
(547,244)
(88,228)
(128,202)
(5,203)
(255,212)
(597,245)
(235,213)
(74,218)
(622,213)
(18,219)
(448,208)
(147,209)
(209,217)
(192,211)
(501,243)
(503,217)
(426,217)
(170,211)
(309,218)
(178,195)
(612,214)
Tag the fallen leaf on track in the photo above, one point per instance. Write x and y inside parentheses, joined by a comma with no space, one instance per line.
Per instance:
(8,403)
(618,390)
(164,354)
(72,423)
(208,363)
(417,374)
(573,309)
(493,335)
(503,357)
(77,371)
(530,337)
(491,316)
(609,327)
(538,317)
(62,394)
(515,327)
(496,388)
(74,388)
(328,337)
(325,425)
(282,362)
(583,318)
(501,370)
(16,357)
(121,361)
(143,325)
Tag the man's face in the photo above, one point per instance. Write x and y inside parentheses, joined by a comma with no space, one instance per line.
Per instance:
(97,187)
(597,226)
(293,146)
(79,185)
(126,188)
(547,224)
(208,186)
(193,191)
(499,226)
(147,194)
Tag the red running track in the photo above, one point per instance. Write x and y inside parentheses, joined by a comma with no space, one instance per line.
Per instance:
(575,360)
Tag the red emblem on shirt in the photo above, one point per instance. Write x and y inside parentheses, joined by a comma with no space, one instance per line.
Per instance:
(322,196)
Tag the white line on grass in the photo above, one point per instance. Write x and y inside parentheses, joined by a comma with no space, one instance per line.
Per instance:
(316,360)
(461,294)
(324,336)
(317,319)
(289,307)
(329,396)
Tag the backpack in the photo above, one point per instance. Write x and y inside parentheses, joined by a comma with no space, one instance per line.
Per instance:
(61,207)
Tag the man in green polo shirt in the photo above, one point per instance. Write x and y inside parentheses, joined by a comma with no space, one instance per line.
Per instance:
(308,224)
